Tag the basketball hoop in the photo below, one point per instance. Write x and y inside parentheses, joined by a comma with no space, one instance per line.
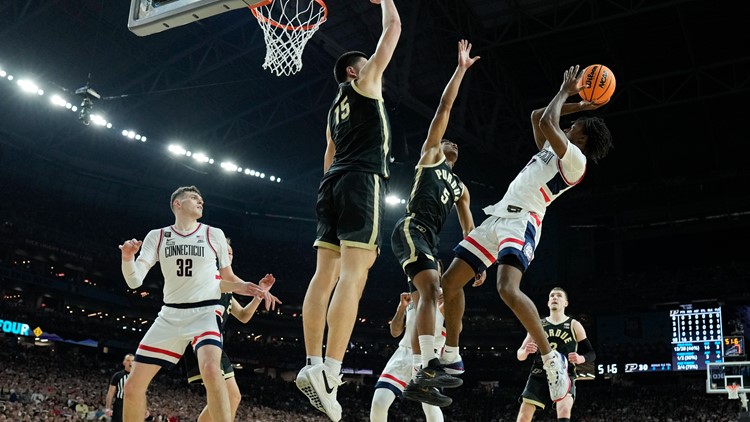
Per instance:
(734,391)
(287,26)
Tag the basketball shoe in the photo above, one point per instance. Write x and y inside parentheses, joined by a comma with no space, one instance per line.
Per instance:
(428,395)
(557,377)
(321,388)
(454,368)
(434,375)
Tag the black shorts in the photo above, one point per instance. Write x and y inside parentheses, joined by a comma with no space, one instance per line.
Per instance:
(536,391)
(193,371)
(415,246)
(116,411)
(350,210)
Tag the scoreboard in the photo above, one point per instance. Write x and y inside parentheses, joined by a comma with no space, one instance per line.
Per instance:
(697,338)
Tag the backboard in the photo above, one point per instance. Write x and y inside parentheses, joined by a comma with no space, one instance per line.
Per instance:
(721,374)
(151,16)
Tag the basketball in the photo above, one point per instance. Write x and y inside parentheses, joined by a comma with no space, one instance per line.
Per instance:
(598,83)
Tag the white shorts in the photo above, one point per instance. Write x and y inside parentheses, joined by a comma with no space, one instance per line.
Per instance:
(397,371)
(165,342)
(498,237)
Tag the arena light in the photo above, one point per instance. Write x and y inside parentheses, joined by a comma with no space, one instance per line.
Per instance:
(228,166)
(98,120)
(394,200)
(58,100)
(176,149)
(27,86)
(200,157)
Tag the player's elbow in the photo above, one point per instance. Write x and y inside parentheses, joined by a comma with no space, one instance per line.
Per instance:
(547,122)
(393,25)
(536,115)
(133,282)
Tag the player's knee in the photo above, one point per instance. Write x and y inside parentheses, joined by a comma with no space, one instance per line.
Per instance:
(235,398)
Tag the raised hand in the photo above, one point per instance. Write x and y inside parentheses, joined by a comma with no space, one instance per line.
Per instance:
(464,55)
(405,300)
(572,80)
(267,282)
(479,279)
(130,248)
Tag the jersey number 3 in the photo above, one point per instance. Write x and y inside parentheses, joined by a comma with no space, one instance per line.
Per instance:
(341,112)
(184,267)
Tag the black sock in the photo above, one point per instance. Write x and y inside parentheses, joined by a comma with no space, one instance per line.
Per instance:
(434,362)
(563,419)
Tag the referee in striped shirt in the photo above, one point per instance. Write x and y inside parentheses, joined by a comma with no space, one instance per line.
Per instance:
(117,388)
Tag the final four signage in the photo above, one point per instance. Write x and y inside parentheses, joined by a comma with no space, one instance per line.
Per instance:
(17,328)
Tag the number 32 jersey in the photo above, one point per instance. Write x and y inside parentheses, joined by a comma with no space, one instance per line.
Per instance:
(188,261)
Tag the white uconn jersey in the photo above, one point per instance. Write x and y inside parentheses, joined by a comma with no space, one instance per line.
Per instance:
(543,179)
(411,320)
(188,262)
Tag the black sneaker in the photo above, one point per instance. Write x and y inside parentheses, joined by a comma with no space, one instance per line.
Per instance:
(434,375)
(427,395)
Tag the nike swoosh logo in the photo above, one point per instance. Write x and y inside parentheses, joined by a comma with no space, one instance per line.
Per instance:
(329,390)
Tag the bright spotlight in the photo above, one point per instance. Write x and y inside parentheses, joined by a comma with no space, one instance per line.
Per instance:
(27,86)
(125,133)
(262,175)
(109,125)
(278,180)
(229,166)
(247,171)
(392,200)
(176,149)
(273,178)
(2,73)
(98,120)
(131,134)
(57,100)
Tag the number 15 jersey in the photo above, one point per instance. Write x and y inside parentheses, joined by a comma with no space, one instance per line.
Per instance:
(361,131)
(188,261)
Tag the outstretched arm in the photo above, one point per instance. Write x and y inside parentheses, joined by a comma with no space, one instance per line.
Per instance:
(550,121)
(230,282)
(371,76)
(245,313)
(431,151)
(567,108)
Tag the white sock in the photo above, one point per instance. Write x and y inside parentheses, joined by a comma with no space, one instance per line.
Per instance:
(381,401)
(450,354)
(314,360)
(427,344)
(548,357)
(333,365)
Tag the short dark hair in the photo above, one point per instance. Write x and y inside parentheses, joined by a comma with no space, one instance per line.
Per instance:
(599,138)
(560,289)
(345,60)
(181,191)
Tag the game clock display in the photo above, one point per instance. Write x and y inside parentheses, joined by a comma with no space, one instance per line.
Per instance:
(734,346)
(697,338)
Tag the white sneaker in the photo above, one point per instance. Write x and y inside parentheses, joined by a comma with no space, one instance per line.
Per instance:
(324,389)
(303,384)
(454,368)
(557,377)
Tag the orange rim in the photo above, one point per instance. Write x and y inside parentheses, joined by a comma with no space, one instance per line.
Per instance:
(289,27)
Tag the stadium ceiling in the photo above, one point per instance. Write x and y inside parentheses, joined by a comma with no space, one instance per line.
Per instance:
(680,65)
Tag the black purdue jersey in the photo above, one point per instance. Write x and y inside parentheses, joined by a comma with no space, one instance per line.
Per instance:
(436,189)
(561,337)
(226,302)
(361,132)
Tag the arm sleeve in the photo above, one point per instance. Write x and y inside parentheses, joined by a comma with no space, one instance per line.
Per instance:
(218,242)
(572,164)
(135,271)
(586,350)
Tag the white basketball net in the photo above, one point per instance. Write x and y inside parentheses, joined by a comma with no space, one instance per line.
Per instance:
(287,26)
(734,391)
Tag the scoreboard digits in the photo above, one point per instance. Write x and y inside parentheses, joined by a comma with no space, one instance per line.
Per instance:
(697,338)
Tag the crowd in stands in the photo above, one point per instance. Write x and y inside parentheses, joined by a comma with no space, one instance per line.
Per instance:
(64,383)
